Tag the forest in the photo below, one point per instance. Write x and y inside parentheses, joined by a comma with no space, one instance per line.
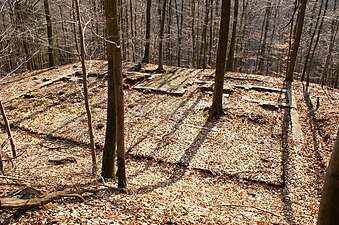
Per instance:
(259,35)
(169,112)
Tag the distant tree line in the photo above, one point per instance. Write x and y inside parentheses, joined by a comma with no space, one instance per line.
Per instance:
(35,34)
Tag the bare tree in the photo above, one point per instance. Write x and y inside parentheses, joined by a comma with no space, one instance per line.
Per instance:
(51,58)
(84,73)
(216,109)
(148,31)
(115,114)
(161,36)
(295,48)
(230,58)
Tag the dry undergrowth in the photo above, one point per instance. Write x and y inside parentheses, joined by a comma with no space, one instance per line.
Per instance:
(181,169)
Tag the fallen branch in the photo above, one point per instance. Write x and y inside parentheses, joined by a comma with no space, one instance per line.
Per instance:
(261,88)
(12,178)
(16,203)
(62,161)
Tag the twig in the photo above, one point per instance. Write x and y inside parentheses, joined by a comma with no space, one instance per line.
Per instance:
(8,129)
(251,206)
(12,178)
(199,127)
(11,159)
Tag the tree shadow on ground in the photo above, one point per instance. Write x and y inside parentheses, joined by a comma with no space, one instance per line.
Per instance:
(320,167)
(169,133)
(185,160)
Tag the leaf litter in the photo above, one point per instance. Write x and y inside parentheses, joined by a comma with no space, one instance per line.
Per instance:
(181,169)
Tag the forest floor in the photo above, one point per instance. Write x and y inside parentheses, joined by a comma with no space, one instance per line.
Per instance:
(261,163)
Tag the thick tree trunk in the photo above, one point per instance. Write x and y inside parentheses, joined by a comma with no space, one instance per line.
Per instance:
(115,115)
(216,109)
(329,204)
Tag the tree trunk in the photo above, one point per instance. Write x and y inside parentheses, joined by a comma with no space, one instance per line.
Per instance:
(84,73)
(312,38)
(230,59)
(334,31)
(329,204)
(204,35)
(216,109)
(193,63)
(315,45)
(262,50)
(148,31)
(132,30)
(115,116)
(51,58)
(179,27)
(161,37)
(74,30)
(299,29)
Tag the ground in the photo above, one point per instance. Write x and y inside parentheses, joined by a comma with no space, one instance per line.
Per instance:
(261,163)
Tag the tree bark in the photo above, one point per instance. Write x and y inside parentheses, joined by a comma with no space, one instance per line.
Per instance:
(315,45)
(329,204)
(115,116)
(216,109)
(161,37)
(51,58)
(295,48)
(148,31)
(230,58)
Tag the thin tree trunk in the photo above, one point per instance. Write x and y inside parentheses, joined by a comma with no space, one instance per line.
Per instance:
(74,30)
(299,29)
(161,37)
(316,44)
(262,51)
(204,35)
(292,34)
(132,30)
(179,28)
(88,111)
(210,36)
(230,58)
(51,58)
(334,32)
(193,33)
(148,31)
(311,42)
